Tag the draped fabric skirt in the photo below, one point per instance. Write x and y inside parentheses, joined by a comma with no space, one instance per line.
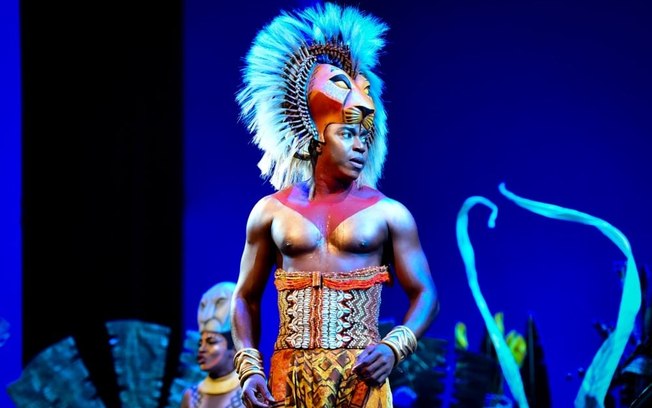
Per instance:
(321,378)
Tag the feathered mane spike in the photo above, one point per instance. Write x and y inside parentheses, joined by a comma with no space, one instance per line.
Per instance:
(273,99)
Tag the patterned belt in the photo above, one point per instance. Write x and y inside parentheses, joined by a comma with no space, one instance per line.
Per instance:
(329,310)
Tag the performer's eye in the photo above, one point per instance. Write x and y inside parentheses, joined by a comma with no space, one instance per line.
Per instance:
(367,89)
(341,81)
(346,133)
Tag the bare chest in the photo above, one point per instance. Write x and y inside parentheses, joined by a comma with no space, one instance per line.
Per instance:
(332,227)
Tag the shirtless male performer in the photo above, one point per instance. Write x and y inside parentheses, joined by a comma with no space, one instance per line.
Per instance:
(313,103)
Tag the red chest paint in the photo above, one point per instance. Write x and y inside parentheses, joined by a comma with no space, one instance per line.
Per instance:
(327,212)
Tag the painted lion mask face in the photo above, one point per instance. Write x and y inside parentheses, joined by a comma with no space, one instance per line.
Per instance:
(214,309)
(335,97)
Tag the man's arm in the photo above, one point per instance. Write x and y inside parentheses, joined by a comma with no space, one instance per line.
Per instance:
(412,270)
(376,362)
(186,399)
(255,267)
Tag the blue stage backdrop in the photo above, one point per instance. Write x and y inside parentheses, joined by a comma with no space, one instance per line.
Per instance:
(10,171)
(552,98)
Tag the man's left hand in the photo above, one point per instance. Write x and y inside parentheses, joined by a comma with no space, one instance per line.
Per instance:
(375,363)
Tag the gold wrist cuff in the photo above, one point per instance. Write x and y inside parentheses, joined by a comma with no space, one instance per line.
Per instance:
(248,361)
(402,342)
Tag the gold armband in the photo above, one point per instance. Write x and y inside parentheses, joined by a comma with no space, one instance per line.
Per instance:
(248,361)
(402,342)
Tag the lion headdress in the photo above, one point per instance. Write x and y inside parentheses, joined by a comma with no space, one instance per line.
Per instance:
(277,78)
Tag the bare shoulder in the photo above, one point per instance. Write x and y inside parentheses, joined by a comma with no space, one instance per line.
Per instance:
(263,211)
(395,213)
(187,398)
(265,204)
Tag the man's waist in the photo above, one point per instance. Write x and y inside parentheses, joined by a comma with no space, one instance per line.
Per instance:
(321,317)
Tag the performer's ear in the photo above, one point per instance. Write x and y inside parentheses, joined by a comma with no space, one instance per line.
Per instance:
(315,146)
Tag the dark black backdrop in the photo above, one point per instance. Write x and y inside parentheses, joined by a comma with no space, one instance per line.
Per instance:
(102,183)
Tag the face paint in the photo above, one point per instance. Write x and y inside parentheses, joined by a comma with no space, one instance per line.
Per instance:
(327,215)
(214,309)
(335,97)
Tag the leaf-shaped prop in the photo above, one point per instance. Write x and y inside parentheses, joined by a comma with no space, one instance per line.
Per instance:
(644,400)
(189,371)
(534,371)
(461,339)
(475,377)
(517,346)
(4,331)
(635,371)
(55,378)
(423,372)
(139,351)
(503,353)
(601,371)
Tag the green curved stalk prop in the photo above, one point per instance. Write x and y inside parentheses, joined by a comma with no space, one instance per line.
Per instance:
(599,374)
(505,358)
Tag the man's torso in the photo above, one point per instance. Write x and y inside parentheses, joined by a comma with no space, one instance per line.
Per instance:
(334,234)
